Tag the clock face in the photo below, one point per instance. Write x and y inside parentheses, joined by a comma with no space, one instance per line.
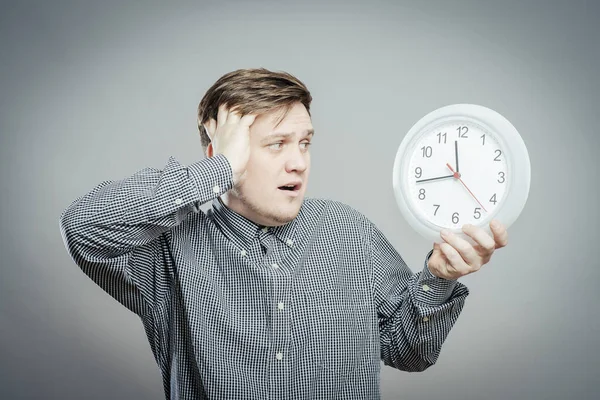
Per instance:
(457,174)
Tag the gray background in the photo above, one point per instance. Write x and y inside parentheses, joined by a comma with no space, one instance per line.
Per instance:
(97,90)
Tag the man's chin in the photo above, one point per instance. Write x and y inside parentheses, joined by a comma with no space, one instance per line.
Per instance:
(285,217)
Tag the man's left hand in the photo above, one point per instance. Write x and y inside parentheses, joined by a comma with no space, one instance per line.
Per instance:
(456,257)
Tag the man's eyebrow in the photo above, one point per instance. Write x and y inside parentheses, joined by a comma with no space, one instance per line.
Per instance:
(308,132)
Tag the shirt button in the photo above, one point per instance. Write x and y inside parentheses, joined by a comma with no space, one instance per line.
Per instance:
(280,306)
(275,266)
(178,201)
(426,288)
(216,189)
(289,242)
(279,356)
(265,229)
(425,319)
(243,253)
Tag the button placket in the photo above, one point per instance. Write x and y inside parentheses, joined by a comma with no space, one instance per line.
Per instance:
(281,283)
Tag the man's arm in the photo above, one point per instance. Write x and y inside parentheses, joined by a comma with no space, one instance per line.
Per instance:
(118,233)
(416,311)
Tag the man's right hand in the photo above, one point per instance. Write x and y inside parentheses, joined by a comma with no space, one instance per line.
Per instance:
(230,136)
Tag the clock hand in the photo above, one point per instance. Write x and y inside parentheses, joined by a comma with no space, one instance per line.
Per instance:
(434,179)
(457,176)
(456,154)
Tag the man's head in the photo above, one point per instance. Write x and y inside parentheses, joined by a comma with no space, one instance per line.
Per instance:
(279,140)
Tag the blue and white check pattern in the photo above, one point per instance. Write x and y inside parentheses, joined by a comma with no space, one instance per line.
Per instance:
(233,310)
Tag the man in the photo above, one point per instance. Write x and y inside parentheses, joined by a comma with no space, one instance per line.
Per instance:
(267,295)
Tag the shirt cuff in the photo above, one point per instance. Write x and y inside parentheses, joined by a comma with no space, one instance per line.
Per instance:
(213,177)
(431,289)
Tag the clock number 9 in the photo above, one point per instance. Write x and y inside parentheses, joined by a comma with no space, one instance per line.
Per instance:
(418,172)
(421,194)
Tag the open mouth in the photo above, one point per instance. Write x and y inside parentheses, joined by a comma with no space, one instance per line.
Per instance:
(290,188)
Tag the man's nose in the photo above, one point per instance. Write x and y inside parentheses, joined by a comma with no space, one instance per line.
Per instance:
(296,161)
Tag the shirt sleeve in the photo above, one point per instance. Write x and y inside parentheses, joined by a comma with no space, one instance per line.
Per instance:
(118,233)
(416,310)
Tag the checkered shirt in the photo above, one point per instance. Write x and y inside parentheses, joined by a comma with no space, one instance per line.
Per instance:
(234,310)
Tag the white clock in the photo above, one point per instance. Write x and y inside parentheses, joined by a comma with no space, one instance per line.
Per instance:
(461,164)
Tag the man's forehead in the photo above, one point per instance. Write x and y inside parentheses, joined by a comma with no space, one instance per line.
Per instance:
(295,132)
(294,123)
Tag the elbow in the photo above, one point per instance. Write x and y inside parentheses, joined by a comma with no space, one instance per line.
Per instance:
(419,366)
(69,229)
(411,365)
(408,359)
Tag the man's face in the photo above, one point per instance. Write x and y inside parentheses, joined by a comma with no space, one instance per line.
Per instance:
(279,156)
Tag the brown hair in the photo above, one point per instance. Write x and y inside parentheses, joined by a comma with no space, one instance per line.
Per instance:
(255,90)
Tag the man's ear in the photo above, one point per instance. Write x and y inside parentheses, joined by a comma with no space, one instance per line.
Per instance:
(209,150)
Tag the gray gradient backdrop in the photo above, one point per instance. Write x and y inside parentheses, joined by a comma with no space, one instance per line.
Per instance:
(98,90)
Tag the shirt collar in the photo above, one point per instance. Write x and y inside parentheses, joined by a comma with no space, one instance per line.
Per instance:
(237,226)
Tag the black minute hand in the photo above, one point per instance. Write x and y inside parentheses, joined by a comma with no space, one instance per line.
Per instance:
(456,154)
(435,179)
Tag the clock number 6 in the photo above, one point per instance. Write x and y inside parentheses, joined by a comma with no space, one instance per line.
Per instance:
(455,218)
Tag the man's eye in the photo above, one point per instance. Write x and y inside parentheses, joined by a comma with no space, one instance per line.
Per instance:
(305,144)
(275,146)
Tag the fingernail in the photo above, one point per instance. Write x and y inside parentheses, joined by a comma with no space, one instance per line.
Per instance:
(495,224)
(445,232)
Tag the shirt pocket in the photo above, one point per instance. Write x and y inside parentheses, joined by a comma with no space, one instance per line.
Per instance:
(341,331)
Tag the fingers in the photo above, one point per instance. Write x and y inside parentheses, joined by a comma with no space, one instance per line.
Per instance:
(500,233)
(227,116)
(483,239)
(460,253)
(248,119)
(455,266)
(462,257)
(210,126)
(233,117)
(222,115)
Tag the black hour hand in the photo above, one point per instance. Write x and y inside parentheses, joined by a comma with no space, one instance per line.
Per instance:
(435,179)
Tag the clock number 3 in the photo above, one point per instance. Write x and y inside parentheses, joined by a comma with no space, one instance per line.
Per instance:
(501,178)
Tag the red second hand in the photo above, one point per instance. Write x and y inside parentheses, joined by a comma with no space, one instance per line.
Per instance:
(457,176)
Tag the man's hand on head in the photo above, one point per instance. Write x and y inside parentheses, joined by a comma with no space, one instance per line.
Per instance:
(230,135)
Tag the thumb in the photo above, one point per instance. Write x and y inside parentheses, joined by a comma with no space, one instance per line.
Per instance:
(210,127)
